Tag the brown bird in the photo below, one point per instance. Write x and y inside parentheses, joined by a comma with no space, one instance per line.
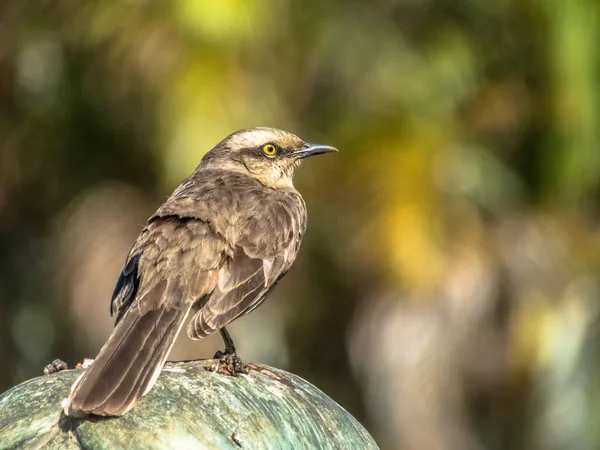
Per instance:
(214,249)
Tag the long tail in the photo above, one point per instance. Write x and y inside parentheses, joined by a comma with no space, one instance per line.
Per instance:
(128,365)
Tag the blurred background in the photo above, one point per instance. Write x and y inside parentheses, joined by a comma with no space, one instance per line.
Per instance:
(446,293)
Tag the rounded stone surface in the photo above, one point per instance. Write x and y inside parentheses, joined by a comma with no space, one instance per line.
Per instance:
(190,407)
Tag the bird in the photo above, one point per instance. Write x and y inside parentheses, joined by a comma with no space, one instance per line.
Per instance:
(210,254)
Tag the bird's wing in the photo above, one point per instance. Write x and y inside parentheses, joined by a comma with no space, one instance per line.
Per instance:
(174,263)
(126,288)
(242,286)
(266,248)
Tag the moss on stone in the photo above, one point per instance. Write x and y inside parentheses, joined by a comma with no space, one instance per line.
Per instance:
(189,407)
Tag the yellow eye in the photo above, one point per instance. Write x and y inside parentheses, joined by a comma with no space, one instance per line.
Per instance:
(269,150)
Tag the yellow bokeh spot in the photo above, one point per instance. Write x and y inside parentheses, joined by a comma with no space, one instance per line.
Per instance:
(223,21)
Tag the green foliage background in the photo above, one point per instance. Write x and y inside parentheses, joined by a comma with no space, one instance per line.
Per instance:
(447,289)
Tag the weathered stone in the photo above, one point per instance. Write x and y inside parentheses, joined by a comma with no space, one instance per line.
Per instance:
(189,407)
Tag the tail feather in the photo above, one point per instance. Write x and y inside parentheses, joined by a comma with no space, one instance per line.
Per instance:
(133,380)
(128,365)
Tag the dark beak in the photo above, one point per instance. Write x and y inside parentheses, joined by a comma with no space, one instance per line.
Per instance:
(313,149)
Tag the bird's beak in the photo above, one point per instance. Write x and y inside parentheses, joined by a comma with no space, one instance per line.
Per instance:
(309,149)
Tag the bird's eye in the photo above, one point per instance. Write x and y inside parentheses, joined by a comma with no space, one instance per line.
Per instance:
(269,150)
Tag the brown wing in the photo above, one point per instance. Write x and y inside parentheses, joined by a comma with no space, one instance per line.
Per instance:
(174,263)
(242,285)
(265,250)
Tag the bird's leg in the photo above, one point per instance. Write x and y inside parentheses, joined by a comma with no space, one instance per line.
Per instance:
(229,361)
(229,345)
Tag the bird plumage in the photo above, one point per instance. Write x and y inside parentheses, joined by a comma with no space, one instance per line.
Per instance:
(215,248)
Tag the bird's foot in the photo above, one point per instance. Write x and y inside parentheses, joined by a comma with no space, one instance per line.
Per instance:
(55,366)
(229,364)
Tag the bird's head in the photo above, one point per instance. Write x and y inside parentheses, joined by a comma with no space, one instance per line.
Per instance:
(269,155)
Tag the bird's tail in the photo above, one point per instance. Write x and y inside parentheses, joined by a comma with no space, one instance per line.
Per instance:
(128,365)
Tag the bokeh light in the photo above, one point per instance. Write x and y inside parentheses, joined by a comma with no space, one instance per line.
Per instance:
(446,292)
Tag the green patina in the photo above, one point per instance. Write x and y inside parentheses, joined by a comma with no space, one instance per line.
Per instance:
(189,407)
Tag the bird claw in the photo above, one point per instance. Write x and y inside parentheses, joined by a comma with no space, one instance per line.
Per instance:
(57,365)
(229,364)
